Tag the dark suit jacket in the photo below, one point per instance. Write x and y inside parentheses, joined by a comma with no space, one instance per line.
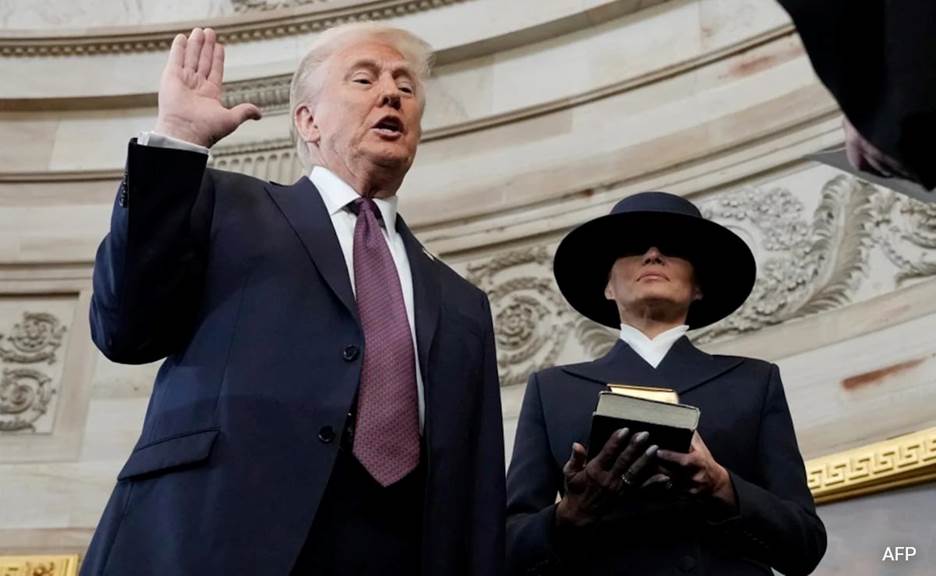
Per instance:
(242,285)
(746,425)
(878,58)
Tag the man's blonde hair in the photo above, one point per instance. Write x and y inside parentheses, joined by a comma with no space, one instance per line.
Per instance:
(303,88)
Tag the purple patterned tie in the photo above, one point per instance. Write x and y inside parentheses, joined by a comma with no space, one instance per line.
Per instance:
(386,430)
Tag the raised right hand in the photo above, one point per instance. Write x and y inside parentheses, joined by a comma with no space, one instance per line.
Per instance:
(190,90)
(592,487)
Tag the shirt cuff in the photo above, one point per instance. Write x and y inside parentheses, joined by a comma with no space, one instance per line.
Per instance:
(157,140)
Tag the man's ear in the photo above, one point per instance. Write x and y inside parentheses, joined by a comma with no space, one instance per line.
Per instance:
(609,291)
(306,128)
(696,294)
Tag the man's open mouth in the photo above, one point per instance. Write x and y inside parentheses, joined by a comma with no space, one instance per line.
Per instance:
(390,125)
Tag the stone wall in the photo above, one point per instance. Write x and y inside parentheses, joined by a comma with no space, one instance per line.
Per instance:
(541,114)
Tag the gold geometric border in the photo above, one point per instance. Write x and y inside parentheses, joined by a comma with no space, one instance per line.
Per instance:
(900,461)
(39,565)
(230,30)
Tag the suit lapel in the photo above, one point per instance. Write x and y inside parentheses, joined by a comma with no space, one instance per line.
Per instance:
(305,211)
(685,367)
(426,294)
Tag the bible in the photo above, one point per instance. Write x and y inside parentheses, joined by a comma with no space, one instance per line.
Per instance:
(669,423)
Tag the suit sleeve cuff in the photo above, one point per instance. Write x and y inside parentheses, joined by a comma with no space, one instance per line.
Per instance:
(721,514)
(742,522)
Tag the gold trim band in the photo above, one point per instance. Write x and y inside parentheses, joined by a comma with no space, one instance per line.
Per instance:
(901,461)
(39,565)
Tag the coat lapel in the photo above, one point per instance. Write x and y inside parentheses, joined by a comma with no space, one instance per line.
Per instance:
(621,365)
(305,211)
(426,294)
(685,367)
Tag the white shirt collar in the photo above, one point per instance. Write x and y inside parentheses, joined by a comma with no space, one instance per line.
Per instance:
(337,194)
(653,350)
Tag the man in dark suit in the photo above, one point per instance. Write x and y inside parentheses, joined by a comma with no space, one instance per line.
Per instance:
(737,502)
(878,58)
(329,403)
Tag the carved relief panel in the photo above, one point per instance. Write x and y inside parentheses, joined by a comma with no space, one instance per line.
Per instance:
(31,363)
(532,321)
(46,361)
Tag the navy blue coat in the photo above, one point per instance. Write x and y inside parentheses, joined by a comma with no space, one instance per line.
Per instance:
(747,427)
(241,285)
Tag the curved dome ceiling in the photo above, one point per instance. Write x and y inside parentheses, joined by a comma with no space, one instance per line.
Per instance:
(69,15)
(80,27)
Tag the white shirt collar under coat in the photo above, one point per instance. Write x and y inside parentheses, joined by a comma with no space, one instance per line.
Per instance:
(336,193)
(652,350)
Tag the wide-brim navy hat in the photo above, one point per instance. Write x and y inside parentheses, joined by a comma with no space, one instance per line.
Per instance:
(724,266)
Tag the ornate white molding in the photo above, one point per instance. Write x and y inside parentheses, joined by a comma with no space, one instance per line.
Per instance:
(245,6)
(273,160)
(900,461)
(35,340)
(26,391)
(311,17)
(531,319)
(43,404)
(271,93)
(809,263)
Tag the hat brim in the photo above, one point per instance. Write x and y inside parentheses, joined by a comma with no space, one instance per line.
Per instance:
(724,266)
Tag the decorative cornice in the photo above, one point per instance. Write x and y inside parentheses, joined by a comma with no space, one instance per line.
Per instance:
(270,93)
(273,145)
(231,30)
(247,6)
(900,461)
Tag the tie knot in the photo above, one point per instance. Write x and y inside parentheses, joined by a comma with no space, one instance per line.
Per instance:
(365,205)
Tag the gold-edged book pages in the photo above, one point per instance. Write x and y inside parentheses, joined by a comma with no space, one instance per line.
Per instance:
(46,565)
(646,392)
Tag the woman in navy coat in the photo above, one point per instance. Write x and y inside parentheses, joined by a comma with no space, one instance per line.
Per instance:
(737,503)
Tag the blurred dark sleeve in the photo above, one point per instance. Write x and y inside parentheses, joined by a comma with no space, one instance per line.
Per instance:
(878,58)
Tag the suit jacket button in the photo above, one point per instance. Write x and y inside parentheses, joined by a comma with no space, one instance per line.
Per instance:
(687,563)
(326,435)
(350,353)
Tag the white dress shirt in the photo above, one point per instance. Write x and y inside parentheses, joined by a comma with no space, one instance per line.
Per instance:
(652,350)
(337,194)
